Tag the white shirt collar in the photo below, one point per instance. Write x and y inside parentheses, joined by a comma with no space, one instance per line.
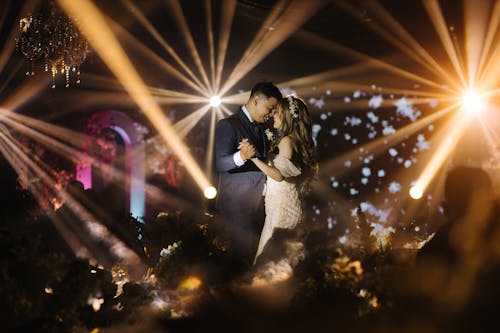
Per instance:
(245,111)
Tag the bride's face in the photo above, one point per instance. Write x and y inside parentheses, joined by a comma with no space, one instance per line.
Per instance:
(277,118)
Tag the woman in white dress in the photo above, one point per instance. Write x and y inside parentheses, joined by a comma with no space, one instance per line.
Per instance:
(292,164)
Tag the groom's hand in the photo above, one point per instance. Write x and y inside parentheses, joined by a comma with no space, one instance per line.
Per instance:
(247,151)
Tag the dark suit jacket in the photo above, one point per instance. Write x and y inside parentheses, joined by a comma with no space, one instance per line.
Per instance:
(240,188)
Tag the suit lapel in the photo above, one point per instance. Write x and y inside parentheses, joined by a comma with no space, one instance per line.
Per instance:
(248,126)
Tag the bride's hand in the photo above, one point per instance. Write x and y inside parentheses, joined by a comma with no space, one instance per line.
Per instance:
(247,151)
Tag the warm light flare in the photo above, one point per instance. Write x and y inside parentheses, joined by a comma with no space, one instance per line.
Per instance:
(210,192)
(472,101)
(416,192)
(215,101)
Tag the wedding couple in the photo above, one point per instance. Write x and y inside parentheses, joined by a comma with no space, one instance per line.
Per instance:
(252,165)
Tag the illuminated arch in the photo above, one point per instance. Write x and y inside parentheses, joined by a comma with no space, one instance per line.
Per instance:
(133,140)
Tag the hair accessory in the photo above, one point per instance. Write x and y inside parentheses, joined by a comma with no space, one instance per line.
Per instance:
(292,107)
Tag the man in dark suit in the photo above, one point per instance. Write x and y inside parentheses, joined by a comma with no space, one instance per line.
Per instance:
(241,183)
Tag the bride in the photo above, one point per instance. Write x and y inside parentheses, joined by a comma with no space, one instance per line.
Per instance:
(292,165)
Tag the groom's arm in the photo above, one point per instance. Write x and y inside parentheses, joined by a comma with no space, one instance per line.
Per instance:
(226,146)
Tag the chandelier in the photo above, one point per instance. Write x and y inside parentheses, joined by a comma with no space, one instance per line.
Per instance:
(50,36)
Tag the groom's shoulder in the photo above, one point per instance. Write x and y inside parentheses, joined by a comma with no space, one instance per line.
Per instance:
(233,119)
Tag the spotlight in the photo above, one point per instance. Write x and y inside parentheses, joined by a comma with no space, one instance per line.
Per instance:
(472,101)
(416,192)
(210,192)
(215,101)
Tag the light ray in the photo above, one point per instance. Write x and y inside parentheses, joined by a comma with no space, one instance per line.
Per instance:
(292,18)
(219,113)
(412,48)
(490,36)
(210,144)
(436,15)
(210,37)
(452,134)
(60,148)
(265,28)
(228,9)
(185,125)
(225,110)
(476,16)
(306,86)
(103,82)
(29,90)
(178,14)
(492,139)
(139,46)
(97,231)
(17,120)
(3,15)
(152,30)
(14,71)
(311,38)
(93,24)
(239,98)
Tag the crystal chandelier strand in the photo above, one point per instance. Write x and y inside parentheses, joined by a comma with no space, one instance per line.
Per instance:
(49,35)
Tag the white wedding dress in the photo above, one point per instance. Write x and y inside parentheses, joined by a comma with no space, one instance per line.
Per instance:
(282,202)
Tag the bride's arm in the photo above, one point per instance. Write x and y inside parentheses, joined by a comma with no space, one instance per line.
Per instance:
(285,150)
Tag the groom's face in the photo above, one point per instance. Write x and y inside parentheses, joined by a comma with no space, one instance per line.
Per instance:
(264,107)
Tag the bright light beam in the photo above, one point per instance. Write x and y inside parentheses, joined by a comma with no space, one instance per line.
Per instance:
(176,10)
(210,144)
(311,38)
(436,15)
(454,132)
(152,30)
(494,22)
(215,101)
(139,46)
(90,21)
(407,44)
(210,37)
(472,101)
(296,14)
(476,18)
(226,19)
(186,124)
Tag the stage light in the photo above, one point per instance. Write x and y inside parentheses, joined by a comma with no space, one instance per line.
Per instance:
(210,192)
(215,101)
(472,101)
(416,192)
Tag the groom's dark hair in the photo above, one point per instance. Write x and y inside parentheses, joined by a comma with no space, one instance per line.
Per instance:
(266,88)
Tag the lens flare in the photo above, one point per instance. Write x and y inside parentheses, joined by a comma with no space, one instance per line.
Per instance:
(472,101)
(210,192)
(416,192)
(215,101)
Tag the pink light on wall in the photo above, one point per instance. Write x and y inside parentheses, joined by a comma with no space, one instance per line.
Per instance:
(134,159)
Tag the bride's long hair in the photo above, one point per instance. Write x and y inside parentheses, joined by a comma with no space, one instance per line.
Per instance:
(296,122)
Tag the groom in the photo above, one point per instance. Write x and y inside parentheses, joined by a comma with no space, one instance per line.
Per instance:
(241,183)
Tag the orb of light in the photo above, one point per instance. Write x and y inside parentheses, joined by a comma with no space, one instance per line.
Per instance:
(210,192)
(472,101)
(416,192)
(215,101)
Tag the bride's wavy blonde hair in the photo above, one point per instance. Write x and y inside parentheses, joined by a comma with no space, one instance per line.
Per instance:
(296,122)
